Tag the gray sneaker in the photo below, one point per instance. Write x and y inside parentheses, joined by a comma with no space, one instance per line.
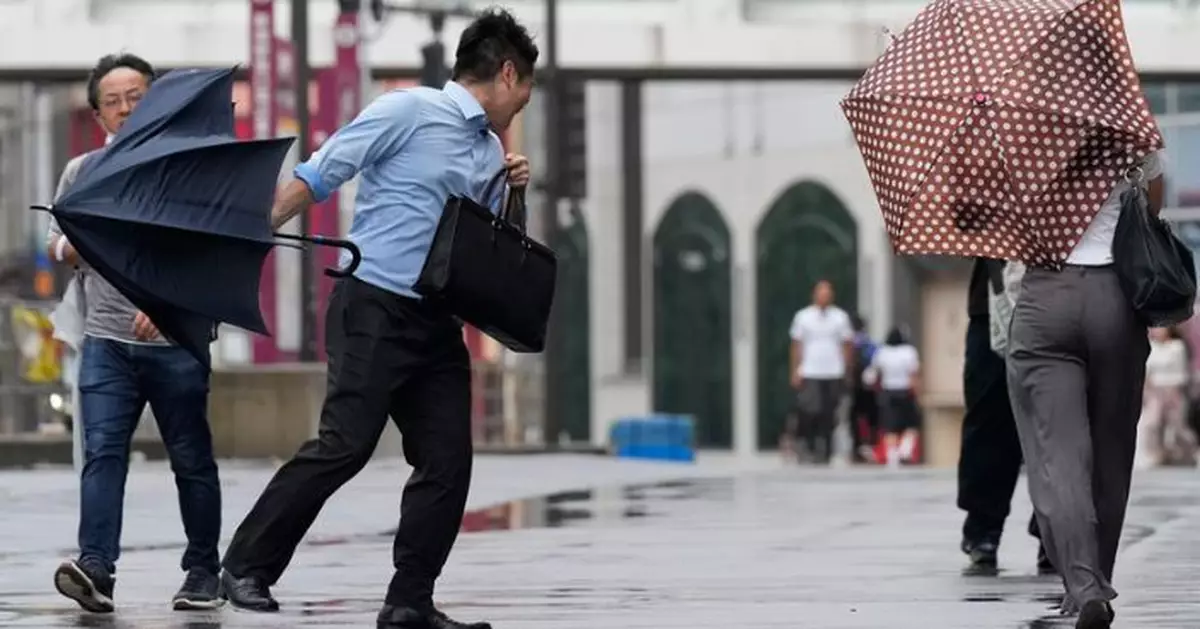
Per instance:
(199,591)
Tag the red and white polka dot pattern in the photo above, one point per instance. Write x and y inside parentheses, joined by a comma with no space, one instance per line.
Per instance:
(998,127)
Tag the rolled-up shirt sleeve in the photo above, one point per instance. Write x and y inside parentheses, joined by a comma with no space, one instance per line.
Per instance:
(375,134)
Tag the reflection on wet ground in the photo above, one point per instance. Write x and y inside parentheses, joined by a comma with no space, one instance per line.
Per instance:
(826,549)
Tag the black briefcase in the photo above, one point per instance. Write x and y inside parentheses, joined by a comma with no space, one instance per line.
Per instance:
(488,272)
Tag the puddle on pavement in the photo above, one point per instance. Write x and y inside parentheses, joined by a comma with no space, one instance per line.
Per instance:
(561,509)
(593,506)
(1009,597)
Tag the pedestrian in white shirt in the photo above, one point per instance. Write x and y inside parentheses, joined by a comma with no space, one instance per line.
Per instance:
(1164,436)
(896,367)
(822,346)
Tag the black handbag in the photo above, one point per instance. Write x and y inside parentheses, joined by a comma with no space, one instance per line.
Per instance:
(1155,268)
(488,272)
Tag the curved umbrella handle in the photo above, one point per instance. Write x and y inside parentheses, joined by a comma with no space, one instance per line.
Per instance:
(324,241)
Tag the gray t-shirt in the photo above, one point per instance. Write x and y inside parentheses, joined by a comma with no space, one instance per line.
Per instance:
(109,315)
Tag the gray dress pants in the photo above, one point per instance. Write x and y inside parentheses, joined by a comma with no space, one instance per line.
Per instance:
(1076,368)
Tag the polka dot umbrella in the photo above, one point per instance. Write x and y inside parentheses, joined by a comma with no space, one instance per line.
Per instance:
(997,128)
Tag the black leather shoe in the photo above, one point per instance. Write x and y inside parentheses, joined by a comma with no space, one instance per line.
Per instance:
(983,554)
(393,617)
(1095,614)
(249,593)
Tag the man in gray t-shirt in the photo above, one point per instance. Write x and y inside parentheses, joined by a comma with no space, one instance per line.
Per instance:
(125,364)
(108,314)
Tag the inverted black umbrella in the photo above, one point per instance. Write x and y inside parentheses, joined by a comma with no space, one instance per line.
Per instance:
(175,212)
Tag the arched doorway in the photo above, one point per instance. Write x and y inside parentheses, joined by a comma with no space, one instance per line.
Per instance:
(806,236)
(570,377)
(693,368)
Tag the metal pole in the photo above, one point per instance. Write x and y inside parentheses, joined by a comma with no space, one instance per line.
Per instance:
(308,305)
(550,358)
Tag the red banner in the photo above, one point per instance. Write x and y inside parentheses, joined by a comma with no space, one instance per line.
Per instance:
(264,117)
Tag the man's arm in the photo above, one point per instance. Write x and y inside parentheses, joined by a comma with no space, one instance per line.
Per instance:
(796,332)
(848,358)
(375,134)
(1155,191)
(915,379)
(57,246)
(291,200)
(797,354)
(848,347)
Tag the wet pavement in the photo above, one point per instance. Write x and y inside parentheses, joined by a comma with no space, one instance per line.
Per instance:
(718,547)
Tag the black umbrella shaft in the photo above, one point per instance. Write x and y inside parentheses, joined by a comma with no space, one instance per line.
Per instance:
(308,302)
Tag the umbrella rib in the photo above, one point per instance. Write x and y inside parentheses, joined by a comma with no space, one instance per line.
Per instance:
(940,151)
(1029,51)
(188,228)
(1080,119)
(977,83)
(949,100)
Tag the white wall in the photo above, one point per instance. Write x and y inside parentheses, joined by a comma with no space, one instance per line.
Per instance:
(742,145)
(724,33)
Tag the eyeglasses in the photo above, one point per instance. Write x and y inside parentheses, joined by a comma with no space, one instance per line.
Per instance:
(115,101)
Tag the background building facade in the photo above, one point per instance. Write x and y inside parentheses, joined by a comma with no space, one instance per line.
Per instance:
(722,183)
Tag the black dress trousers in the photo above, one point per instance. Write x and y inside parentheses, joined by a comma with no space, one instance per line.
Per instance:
(990,460)
(388,355)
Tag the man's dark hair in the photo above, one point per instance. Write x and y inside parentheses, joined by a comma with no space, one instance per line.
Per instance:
(493,38)
(107,64)
(896,337)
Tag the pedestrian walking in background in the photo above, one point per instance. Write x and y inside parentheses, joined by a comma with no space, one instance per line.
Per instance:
(896,366)
(392,353)
(124,364)
(864,399)
(989,460)
(1164,434)
(822,350)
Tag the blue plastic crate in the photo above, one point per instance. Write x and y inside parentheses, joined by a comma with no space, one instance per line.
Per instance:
(663,437)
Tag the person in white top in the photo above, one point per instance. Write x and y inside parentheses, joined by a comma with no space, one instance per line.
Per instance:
(1164,436)
(1076,367)
(896,368)
(822,344)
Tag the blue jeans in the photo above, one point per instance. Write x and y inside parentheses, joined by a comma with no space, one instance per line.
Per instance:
(116,380)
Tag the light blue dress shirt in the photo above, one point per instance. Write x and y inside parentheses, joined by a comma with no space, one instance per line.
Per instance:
(412,149)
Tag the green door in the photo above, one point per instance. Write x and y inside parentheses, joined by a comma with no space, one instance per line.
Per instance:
(693,368)
(570,377)
(806,236)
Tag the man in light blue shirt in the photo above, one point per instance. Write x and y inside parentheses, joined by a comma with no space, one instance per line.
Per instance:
(391,353)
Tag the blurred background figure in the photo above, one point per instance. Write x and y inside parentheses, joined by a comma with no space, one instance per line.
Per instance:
(1164,434)
(864,406)
(822,348)
(990,457)
(896,366)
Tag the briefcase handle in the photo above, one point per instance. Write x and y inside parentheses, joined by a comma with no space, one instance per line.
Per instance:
(513,211)
(514,208)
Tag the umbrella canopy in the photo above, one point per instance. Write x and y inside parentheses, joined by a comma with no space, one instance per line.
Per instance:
(175,212)
(998,128)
